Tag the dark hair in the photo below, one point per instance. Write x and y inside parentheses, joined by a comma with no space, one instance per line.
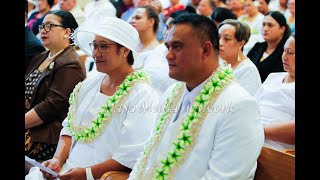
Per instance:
(267,1)
(203,27)
(175,14)
(152,13)
(279,17)
(242,29)
(26,6)
(67,20)
(50,2)
(220,14)
(212,4)
(130,55)
(190,9)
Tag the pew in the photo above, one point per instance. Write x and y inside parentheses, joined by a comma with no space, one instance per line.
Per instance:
(272,165)
(275,165)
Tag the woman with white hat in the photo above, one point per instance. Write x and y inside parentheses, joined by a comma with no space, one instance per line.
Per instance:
(108,120)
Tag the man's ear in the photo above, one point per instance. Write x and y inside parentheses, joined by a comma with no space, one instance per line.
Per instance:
(152,21)
(206,49)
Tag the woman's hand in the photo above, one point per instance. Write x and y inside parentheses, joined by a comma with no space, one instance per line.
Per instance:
(53,164)
(74,174)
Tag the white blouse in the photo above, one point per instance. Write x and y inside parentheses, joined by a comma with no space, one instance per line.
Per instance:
(276,102)
(248,76)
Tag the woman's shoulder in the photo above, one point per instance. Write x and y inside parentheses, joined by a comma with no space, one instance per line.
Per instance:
(144,87)
(275,77)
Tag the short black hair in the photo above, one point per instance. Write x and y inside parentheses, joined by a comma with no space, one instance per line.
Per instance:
(220,14)
(190,9)
(26,6)
(203,27)
(175,14)
(50,2)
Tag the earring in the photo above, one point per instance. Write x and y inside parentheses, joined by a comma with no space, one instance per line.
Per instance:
(65,36)
(239,56)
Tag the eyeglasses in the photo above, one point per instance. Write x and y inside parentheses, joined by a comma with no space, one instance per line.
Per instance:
(47,27)
(101,46)
(288,52)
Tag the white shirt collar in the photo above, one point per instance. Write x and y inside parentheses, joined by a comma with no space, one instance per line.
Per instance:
(191,95)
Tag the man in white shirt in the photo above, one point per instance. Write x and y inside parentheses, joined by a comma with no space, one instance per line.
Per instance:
(208,128)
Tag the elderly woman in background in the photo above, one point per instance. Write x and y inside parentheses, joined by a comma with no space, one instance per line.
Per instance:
(276,100)
(267,55)
(49,80)
(233,36)
(108,120)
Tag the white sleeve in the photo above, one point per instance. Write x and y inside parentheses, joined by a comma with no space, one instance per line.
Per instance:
(237,144)
(137,126)
(249,79)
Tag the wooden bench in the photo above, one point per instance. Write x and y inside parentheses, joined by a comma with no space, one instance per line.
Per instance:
(115,175)
(275,165)
(272,165)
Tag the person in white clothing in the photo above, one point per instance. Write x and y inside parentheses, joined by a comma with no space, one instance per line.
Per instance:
(233,36)
(209,127)
(102,7)
(75,9)
(254,19)
(276,100)
(156,66)
(107,123)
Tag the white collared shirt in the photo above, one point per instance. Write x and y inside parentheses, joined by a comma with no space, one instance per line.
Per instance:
(187,100)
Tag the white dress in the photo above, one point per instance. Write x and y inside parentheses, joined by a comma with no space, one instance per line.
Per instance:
(122,140)
(156,65)
(248,76)
(276,102)
(228,144)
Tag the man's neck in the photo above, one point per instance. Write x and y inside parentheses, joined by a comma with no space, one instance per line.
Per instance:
(204,75)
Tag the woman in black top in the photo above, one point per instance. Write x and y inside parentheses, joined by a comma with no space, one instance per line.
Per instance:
(267,55)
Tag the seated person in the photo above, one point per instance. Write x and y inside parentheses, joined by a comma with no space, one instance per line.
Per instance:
(194,138)
(233,36)
(32,45)
(49,81)
(107,123)
(276,100)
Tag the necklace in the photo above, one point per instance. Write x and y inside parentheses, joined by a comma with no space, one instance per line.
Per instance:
(187,134)
(56,54)
(88,133)
(49,62)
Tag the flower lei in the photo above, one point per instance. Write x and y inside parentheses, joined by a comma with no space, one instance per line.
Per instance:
(190,125)
(88,133)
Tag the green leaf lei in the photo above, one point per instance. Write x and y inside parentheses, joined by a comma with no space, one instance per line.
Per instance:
(88,133)
(190,125)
